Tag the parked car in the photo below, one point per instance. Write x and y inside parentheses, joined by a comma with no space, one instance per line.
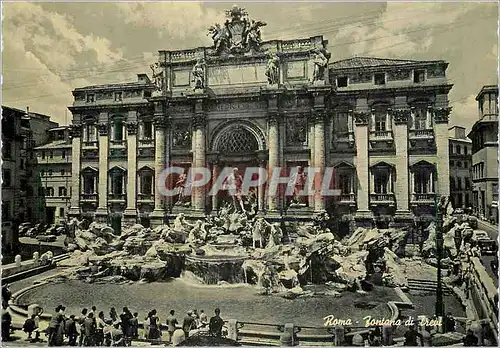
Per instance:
(472,220)
(24,228)
(49,238)
(486,245)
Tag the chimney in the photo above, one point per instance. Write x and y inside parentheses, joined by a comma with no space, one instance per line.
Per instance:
(28,110)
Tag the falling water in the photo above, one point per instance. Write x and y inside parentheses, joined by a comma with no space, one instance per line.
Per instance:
(245,273)
(286,262)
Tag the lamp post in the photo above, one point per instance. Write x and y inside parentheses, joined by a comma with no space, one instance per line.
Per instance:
(440,209)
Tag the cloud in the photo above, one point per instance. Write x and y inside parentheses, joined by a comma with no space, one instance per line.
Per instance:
(464,112)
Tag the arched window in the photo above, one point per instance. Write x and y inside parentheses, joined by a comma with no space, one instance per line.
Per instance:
(146,181)
(238,140)
(117,182)
(89,181)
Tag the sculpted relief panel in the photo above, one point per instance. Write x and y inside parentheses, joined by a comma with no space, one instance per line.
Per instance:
(296,131)
(181,135)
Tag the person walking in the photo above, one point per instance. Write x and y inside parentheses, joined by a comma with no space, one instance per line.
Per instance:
(125,321)
(89,330)
(81,326)
(216,324)
(100,325)
(154,332)
(171,325)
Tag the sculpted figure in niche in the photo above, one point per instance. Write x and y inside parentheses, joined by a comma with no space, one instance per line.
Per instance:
(199,74)
(180,186)
(157,76)
(272,71)
(320,62)
(297,181)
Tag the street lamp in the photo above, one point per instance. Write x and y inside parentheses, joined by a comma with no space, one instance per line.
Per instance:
(440,210)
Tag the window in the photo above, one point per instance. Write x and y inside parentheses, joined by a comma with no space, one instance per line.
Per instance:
(147,130)
(467,183)
(43,154)
(420,118)
(22,164)
(117,127)
(89,183)
(466,150)
(118,96)
(380,79)
(49,192)
(459,183)
(419,76)
(147,94)
(5,211)
(61,212)
(381,184)
(422,177)
(452,163)
(51,154)
(494,189)
(90,97)
(341,125)
(466,164)
(380,121)
(459,164)
(63,172)
(345,183)
(459,149)
(342,81)
(42,172)
(63,154)
(146,182)
(63,191)
(452,183)
(6,178)
(7,149)
(50,172)
(116,179)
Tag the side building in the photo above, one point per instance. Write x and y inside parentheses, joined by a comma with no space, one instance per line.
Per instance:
(460,168)
(22,131)
(484,135)
(54,174)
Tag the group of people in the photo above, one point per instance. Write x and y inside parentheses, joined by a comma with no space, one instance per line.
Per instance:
(93,328)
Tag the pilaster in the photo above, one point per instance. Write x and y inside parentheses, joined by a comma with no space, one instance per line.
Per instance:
(130,213)
(273,139)
(361,119)
(441,116)
(199,154)
(102,190)
(158,214)
(319,157)
(76,146)
(400,117)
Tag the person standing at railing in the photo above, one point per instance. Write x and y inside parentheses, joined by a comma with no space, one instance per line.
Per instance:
(171,325)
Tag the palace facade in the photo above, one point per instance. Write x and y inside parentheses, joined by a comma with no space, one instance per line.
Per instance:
(381,123)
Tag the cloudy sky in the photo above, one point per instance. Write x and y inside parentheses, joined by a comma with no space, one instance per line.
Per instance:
(51,48)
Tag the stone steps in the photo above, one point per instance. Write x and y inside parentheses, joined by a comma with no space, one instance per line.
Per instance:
(426,285)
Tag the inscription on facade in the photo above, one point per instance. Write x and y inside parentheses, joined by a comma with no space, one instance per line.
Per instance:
(237,106)
(227,75)
(296,70)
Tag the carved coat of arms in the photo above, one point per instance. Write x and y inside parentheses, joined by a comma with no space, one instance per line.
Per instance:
(238,34)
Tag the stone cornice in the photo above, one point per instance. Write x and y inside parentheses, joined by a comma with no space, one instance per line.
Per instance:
(400,116)
(361,117)
(101,107)
(373,93)
(273,115)
(441,115)
(161,122)
(103,128)
(317,115)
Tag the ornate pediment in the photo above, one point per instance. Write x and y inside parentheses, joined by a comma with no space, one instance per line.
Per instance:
(238,35)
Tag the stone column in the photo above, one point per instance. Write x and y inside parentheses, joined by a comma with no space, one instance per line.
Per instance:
(273,138)
(158,214)
(215,197)
(319,157)
(389,121)
(130,213)
(311,143)
(102,209)
(441,115)
(261,203)
(401,143)
(431,181)
(76,142)
(412,182)
(199,160)
(362,115)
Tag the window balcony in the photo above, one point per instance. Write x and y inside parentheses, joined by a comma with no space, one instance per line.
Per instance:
(421,134)
(382,199)
(90,143)
(116,197)
(381,135)
(145,197)
(118,143)
(346,199)
(423,198)
(88,197)
(146,142)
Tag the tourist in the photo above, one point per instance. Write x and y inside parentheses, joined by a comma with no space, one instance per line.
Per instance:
(54,325)
(203,318)
(6,294)
(89,330)
(81,325)
(171,325)
(412,336)
(113,315)
(375,337)
(100,325)
(70,330)
(470,340)
(188,323)
(146,326)
(449,323)
(134,326)
(29,326)
(6,323)
(125,321)
(216,324)
(117,337)
(196,317)
(154,332)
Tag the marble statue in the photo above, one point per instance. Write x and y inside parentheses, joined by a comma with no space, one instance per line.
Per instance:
(157,76)
(198,73)
(220,37)
(320,61)
(297,181)
(273,70)
(259,231)
(275,235)
(180,186)
(234,184)
(254,38)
